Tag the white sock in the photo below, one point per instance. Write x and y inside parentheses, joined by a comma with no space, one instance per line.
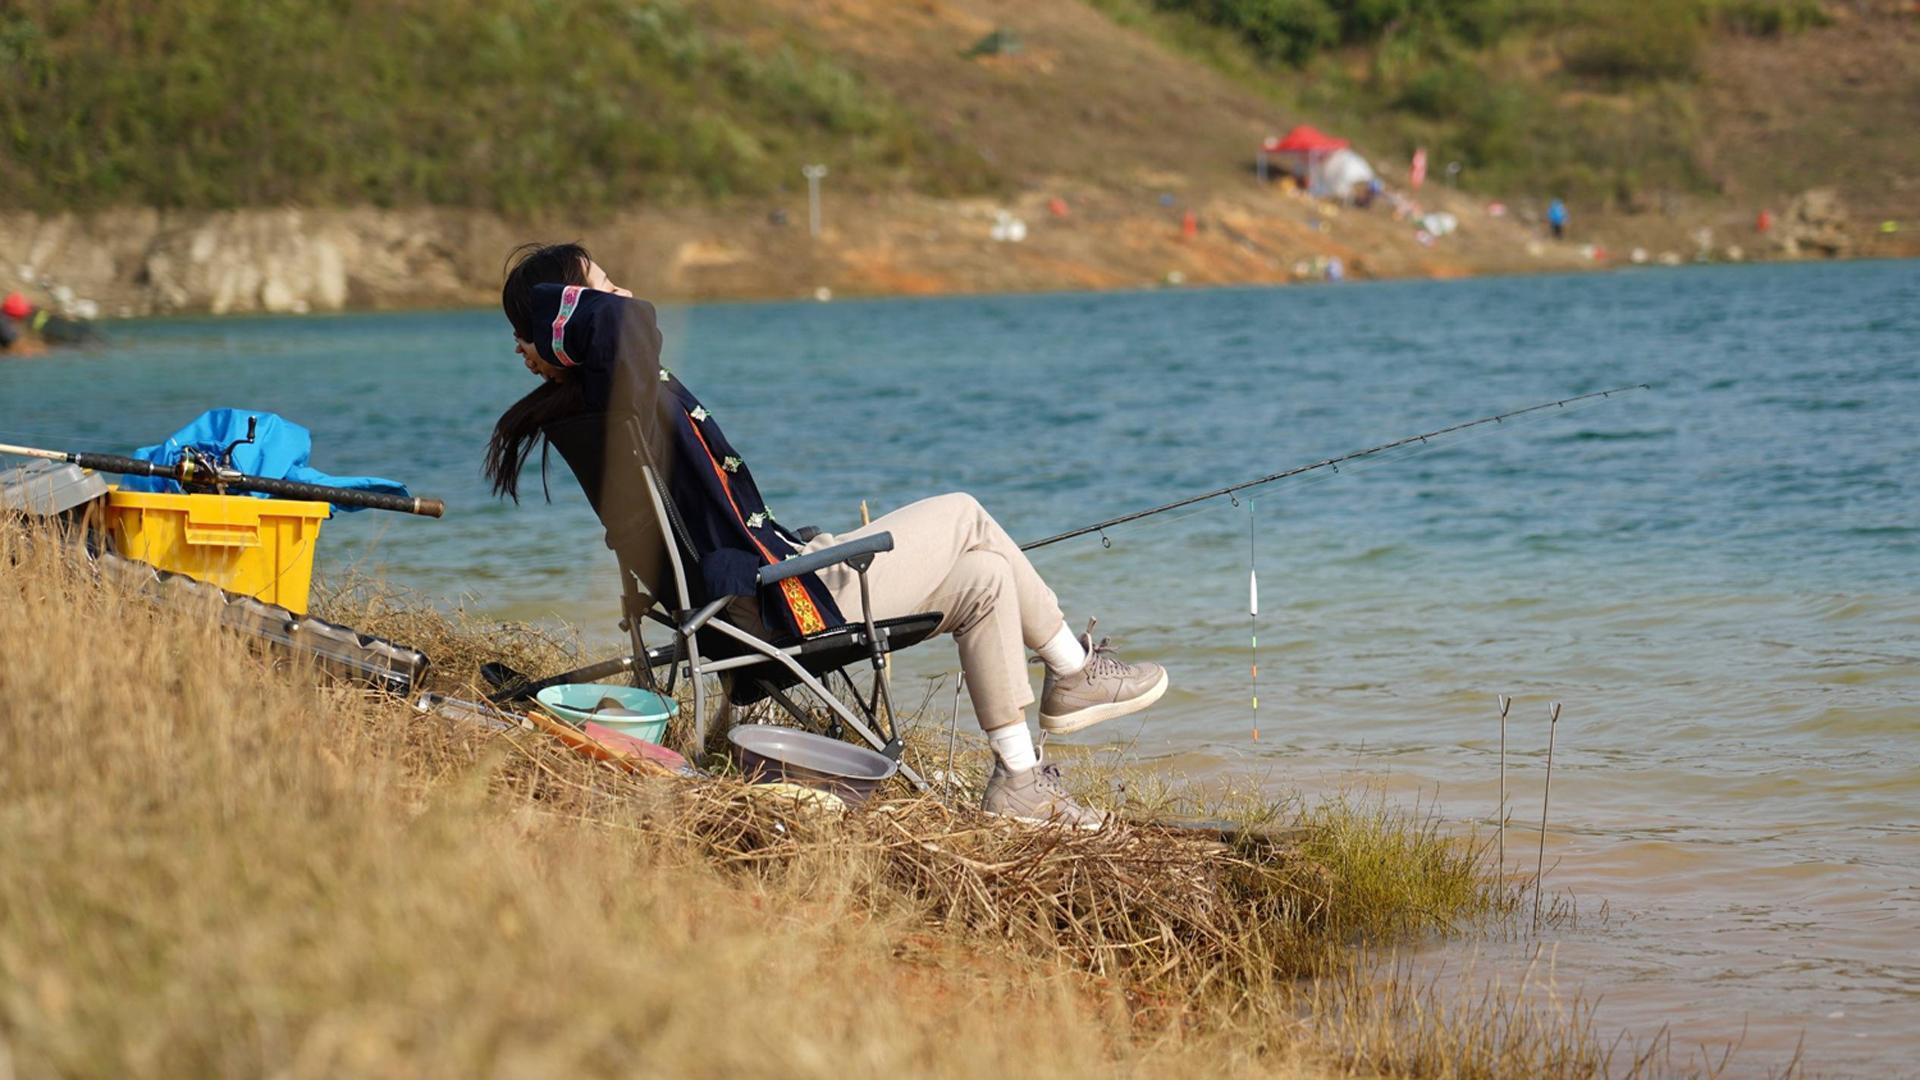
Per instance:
(1063,653)
(1013,745)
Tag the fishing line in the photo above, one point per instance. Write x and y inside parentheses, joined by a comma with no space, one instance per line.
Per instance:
(1332,463)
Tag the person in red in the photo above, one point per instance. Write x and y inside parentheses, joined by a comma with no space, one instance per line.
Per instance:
(27,327)
(13,318)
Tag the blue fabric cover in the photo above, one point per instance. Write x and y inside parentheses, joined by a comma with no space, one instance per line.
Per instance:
(279,451)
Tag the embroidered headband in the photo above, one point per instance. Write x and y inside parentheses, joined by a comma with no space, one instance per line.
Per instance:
(569,300)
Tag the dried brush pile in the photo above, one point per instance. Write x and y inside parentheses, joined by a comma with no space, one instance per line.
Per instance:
(1161,912)
(1149,907)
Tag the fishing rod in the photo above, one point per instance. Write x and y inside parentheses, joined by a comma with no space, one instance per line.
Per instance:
(199,470)
(1333,463)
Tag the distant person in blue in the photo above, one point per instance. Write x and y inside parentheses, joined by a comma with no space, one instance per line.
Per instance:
(1557,219)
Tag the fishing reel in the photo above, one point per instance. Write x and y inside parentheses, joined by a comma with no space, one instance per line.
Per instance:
(202,471)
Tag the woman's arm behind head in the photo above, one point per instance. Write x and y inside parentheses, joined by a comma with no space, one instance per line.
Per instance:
(610,344)
(609,348)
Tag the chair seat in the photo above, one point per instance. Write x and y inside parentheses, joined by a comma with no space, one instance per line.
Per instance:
(820,654)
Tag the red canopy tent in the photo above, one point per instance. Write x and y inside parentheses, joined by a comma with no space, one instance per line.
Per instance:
(1315,148)
(1305,139)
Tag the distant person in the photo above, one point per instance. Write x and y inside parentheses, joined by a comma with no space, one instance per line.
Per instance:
(24,325)
(598,351)
(13,317)
(1557,219)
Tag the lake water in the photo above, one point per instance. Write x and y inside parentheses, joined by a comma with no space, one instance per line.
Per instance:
(1719,577)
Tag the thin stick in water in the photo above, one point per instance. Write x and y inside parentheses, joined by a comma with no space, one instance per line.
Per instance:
(1505,703)
(1546,793)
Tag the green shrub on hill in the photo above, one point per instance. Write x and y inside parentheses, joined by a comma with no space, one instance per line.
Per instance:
(1296,31)
(1770,18)
(1293,31)
(1628,41)
(493,103)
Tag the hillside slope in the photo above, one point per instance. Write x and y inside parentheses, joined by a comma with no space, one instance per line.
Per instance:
(1837,106)
(1119,133)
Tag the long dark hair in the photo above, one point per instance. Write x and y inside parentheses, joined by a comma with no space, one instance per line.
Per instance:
(519,429)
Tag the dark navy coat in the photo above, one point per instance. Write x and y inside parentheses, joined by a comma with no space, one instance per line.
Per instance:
(637,409)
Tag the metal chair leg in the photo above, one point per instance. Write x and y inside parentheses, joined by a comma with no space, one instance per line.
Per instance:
(699,699)
(877,653)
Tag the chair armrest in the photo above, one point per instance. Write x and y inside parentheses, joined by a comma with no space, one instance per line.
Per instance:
(819,560)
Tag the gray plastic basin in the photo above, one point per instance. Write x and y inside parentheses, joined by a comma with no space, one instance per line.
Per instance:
(766,753)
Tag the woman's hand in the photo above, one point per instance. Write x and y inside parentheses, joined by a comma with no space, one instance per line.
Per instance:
(537,363)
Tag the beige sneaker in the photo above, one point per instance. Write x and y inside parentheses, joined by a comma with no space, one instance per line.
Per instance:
(1106,688)
(1037,796)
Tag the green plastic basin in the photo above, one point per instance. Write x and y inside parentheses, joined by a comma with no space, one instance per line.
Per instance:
(628,710)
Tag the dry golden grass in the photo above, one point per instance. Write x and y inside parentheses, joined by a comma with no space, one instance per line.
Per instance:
(457,642)
(213,868)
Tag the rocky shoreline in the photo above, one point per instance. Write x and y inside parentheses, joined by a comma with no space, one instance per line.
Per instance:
(1064,236)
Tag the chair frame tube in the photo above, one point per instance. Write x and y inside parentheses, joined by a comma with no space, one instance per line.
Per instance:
(685,634)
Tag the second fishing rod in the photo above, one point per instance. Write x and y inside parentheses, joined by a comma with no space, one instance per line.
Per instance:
(1326,463)
(201,471)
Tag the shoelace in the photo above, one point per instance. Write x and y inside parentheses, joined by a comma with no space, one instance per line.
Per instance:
(1101,660)
(1050,784)
(1049,780)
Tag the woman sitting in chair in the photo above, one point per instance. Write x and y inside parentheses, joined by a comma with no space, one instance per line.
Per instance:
(598,351)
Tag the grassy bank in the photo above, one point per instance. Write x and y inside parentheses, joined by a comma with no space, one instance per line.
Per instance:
(215,869)
(483,103)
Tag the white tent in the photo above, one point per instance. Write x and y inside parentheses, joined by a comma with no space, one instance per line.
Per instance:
(1338,174)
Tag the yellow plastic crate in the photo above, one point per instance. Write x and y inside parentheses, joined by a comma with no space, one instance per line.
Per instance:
(261,548)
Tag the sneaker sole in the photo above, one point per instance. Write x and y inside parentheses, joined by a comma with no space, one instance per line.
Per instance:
(1094,714)
(1053,822)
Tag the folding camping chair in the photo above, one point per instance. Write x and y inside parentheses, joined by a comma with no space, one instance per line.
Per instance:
(703,643)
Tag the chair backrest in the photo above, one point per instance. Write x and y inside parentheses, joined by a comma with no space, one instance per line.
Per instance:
(665,518)
(606,455)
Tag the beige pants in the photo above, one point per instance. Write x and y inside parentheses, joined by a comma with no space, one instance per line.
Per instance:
(950,556)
